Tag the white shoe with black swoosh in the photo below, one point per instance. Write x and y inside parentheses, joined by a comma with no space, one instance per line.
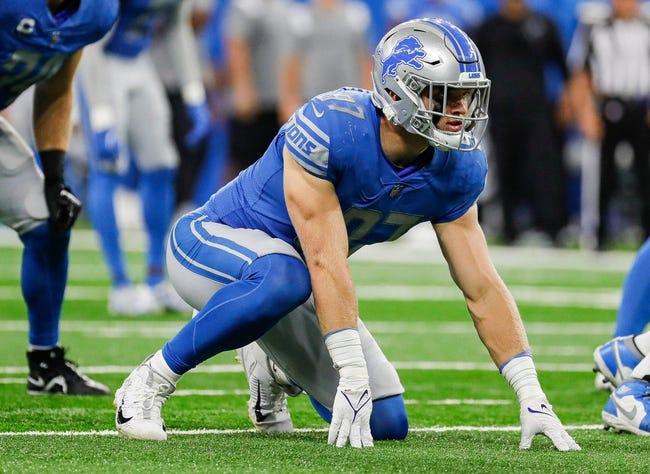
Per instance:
(139,402)
(269,387)
(628,408)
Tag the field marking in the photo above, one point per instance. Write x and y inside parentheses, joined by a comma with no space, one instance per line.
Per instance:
(459,401)
(460,366)
(599,298)
(203,432)
(165,329)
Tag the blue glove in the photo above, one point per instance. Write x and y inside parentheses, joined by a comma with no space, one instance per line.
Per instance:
(200,116)
(107,147)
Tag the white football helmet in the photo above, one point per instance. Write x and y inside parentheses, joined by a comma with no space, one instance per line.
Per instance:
(431,56)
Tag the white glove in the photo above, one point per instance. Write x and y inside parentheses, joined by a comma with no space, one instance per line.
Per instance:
(537,417)
(351,417)
(353,402)
(536,413)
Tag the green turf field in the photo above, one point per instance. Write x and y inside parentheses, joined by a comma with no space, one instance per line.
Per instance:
(463,414)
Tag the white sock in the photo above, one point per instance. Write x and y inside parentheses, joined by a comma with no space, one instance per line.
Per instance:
(158,363)
(642,370)
(642,342)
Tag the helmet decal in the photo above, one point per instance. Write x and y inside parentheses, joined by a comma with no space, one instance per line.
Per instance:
(407,51)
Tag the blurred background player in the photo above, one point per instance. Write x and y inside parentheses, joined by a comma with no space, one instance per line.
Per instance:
(256,32)
(129,117)
(611,94)
(327,48)
(41,44)
(518,45)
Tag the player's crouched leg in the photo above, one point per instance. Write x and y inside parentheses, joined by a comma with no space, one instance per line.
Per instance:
(387,422)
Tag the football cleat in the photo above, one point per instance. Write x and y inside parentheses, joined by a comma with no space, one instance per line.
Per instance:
(168,299)
(51,373)
(133,301)
(601,384)
(616,359)
(269,387)
(138,403)
(628,408)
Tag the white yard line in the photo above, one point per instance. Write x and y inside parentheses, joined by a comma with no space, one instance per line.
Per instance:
(146,329)
(459,401)
(460,366)
(203,432)
(162,329)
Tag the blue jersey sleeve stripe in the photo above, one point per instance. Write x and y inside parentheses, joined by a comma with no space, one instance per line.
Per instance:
(316,153)
(305,163)
(313,127)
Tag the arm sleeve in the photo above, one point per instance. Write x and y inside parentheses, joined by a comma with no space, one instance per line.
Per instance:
(179,47)
(308,137)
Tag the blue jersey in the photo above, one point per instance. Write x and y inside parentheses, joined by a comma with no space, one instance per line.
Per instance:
(139,21)
(335,136)
(34,43)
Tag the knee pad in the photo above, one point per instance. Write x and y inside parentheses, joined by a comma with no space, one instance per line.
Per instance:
(388,419)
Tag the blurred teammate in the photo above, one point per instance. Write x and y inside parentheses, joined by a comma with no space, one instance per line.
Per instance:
(350,168)
(40,43)
(624,362)
(129,115)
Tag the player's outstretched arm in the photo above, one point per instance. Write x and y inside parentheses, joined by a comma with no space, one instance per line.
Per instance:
(499,325)
(316,215)
(52,110)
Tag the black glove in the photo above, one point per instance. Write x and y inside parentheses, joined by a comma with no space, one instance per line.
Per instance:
(62,204)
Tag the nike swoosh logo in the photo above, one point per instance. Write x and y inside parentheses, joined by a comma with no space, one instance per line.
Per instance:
(259,416)
(317,113)
(39,382)
(540,411)
(628,413)
(120,417)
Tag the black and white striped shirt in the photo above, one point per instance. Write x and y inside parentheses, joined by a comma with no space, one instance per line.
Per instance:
(617,54)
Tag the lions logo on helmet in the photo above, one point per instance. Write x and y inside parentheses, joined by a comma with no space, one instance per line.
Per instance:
(418,66)
(407,51)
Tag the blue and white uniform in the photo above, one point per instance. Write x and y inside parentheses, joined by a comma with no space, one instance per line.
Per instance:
(34,45)
(218,249)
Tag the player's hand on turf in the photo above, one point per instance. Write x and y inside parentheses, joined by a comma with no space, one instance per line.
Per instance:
(351,416)
(537,417)
(62,204)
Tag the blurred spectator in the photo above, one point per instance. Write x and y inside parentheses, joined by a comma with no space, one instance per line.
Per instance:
(517,44)
(611,92)
(467,14)
(256,33)
(328,49)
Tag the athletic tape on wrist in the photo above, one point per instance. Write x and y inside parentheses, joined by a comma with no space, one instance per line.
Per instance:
(345,350)
(521,374)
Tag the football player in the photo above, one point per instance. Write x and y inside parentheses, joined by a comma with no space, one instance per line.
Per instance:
(40,43)
(128,112)
(350,168)
(624,362)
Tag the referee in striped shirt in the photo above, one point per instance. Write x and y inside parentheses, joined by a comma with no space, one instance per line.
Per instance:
(610,55)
